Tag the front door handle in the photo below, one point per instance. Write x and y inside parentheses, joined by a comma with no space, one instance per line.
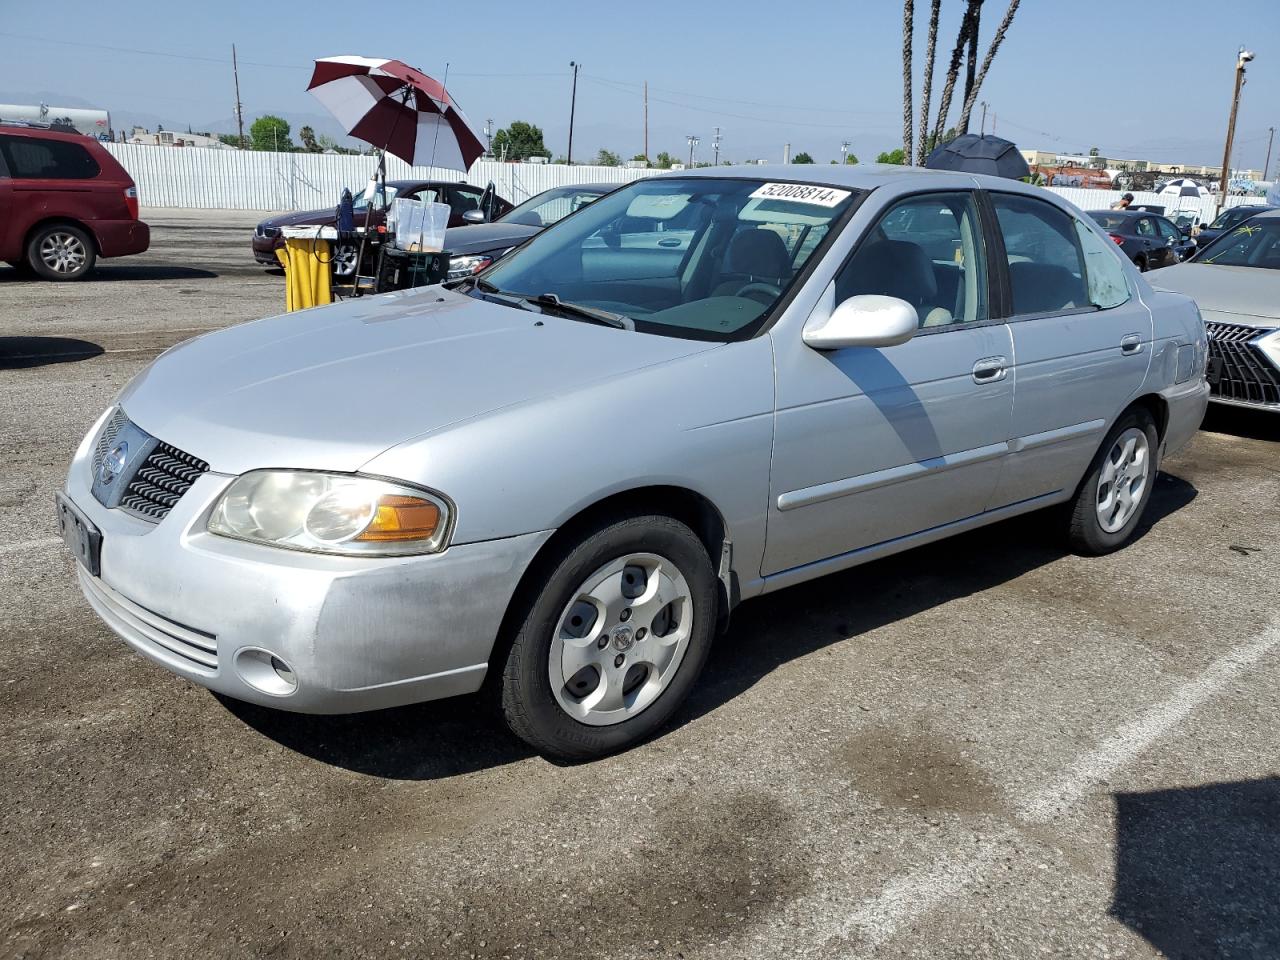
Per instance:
(1131,344)
(990,370)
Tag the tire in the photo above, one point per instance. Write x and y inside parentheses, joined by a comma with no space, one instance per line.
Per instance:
(1141,264)
(644,587)
(60,251)
(1102,518)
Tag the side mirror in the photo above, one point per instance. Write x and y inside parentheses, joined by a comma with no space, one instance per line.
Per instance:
(473,216)
(868,320)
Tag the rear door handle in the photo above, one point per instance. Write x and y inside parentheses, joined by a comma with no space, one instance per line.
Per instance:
(1131,344)
(990,370)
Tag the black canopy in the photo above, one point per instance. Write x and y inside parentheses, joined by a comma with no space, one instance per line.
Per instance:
(970,153)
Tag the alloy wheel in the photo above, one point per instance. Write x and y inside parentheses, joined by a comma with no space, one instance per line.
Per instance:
(620,640)
(63,252)
(1126,471)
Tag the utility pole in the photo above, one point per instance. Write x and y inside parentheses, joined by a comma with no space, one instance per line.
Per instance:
(982,130)
(1243,57)
(693,142)
(1271,135)
(488,137)
(716,144)
(235,72)
(573,102)
(646,121)
(844,152)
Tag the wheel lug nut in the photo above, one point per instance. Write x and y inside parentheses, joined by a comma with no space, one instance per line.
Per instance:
(625,615)
(603,641)
(640,634)
(619,660)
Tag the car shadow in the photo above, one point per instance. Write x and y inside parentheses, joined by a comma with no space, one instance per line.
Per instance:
(857,601)
(1242,422)
(1198,869)
(108,272)
(19,353)
(445,738)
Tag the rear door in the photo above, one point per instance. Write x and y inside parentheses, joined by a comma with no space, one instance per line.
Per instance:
(10,235)
(1081,342)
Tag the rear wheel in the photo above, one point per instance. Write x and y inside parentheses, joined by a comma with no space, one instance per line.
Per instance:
(60,251)
(613,640)
(1113,496)
(1141,264)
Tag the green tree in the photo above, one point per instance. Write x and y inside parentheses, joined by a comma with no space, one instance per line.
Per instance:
(664,161)
(850,159)
(230,139)
(898,156)
(270,133)
(802,157)
(640,156)
(520,141)
(607,158)
(309,142)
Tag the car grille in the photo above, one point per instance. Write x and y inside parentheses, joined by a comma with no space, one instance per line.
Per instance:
(167,640)
(1247,375)
(159,483)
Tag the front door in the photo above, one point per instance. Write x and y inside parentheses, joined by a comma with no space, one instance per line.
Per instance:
(1081,343)
(876,444)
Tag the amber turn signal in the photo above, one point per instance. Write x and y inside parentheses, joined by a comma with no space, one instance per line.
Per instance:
(401,518)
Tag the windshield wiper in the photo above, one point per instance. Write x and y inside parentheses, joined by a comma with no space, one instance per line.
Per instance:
(618,321)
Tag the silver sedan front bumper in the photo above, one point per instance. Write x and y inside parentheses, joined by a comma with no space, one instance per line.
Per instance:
(355,633)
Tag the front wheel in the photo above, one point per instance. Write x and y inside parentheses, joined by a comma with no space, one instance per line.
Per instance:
(612,640)
(61,252)
(1110,502)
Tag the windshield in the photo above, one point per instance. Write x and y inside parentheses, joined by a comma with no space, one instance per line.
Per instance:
(690,257)
(1252,244)
(552,205)
(381,199)
(1232,216)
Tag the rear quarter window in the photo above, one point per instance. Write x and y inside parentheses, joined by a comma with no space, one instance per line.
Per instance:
(33,159)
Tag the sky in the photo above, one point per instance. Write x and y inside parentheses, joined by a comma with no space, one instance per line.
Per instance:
(1134,80)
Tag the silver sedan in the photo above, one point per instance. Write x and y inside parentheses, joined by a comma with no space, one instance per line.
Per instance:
(557,478)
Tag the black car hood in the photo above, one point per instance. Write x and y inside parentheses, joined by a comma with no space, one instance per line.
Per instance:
(304,218)
(486,237)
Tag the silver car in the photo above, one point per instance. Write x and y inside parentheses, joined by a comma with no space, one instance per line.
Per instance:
(558,477)
(1236,282)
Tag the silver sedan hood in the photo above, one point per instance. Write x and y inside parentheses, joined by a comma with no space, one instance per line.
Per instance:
(1245,291)
(333,387)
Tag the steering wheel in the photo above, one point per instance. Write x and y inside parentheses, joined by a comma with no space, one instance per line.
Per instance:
(769,291)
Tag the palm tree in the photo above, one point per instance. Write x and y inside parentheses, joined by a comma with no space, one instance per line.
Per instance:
(953,70)
(927,91)
(986,63)
(971,60)
(908,13)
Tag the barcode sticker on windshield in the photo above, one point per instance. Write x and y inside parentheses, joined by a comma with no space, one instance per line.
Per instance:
(800,193)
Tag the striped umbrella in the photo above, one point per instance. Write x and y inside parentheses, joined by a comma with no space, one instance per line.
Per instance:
(1184,187)
(398,109)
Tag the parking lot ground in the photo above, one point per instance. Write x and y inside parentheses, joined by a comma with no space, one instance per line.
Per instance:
(985,747)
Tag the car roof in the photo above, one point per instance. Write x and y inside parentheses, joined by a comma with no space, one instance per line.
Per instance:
(73,136)
(404,184)
(861,176)
(1130,214)
(1268,213)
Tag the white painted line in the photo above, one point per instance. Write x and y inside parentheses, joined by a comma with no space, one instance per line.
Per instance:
(22,545)
(911,896)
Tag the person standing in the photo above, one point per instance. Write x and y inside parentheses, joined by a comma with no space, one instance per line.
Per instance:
(1123,203)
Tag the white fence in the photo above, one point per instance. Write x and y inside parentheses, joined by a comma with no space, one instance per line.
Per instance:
(253,180)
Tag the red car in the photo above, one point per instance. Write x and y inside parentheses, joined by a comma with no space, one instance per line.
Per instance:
(64,202)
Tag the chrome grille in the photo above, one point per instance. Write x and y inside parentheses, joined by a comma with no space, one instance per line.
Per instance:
(1247,375)
(160,481)
(107,437)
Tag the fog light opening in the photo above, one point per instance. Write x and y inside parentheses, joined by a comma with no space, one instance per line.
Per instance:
(266,672)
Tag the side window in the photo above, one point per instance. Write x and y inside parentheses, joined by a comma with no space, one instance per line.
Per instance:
(1108,285)
(463,200)
(1144,227)
(1167,230)
(33,159)
(1046,265)
(928,251)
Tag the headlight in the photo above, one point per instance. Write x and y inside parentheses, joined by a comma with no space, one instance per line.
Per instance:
(332,513)
(1270,345)
(460,267)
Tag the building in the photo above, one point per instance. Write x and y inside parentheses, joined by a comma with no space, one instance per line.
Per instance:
(171,138)
(1045,158)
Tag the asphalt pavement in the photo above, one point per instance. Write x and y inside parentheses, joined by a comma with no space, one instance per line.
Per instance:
(982,748)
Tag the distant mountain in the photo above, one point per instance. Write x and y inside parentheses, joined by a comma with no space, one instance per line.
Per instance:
(124,118)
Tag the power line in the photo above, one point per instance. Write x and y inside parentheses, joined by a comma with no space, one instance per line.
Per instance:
(636,85)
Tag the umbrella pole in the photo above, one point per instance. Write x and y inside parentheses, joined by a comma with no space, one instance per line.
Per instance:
(380,176)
